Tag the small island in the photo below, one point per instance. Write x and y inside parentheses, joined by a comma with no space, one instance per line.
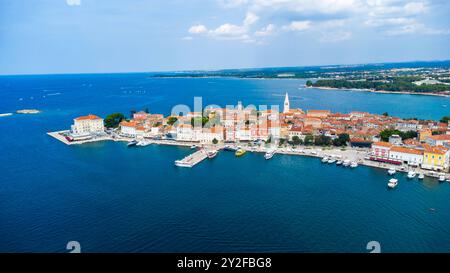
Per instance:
(28,111)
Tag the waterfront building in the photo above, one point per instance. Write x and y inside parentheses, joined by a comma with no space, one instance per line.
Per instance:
(128,128)
(436,158)
(381,149)
(438,140)
(141,115)
(413,157)
(424,134)
(286,107)
(185,132)
(87,125)
(395,140)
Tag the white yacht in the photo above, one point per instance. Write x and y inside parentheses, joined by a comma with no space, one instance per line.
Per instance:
(411,174)
(392,171)
(325,159)
(354,164)
(269,154)
(331,160)
(441,178)
(194,146)
(211,153)
(421,176)
(339,162)
(392,183)
(346,163)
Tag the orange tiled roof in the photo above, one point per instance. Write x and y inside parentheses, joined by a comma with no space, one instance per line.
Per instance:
(128,123)
(382,144)
(441,150)
(440,137)
(406,150)
(88,117)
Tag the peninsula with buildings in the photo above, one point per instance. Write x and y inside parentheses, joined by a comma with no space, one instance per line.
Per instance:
(418,147)
(426,78)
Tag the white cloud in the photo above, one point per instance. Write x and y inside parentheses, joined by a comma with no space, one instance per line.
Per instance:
(266,31)
(229,31)
(198,29)
(298,26)
(73,2)
(250,19)
(187,38)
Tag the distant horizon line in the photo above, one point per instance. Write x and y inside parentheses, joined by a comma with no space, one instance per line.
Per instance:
(225,69)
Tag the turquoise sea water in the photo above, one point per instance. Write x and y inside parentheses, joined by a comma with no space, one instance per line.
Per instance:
(118,199)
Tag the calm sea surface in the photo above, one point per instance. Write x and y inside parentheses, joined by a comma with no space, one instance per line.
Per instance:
(117,199)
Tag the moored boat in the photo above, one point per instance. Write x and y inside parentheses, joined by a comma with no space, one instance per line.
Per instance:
(194,146)
(392,183)
(354,164)
(339,162)
(441,178)
(411,174)
(346,163)
(325,159)
(240,152)
(392,171)
(331,161)
(421,176)
(212,153)
(269,154)
(132,143)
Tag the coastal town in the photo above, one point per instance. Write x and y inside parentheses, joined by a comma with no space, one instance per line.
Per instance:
(418,147)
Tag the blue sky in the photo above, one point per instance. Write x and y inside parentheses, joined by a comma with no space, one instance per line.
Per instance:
(73,36)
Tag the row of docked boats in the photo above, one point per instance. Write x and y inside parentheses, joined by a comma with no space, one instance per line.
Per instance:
(393,182)
(142,143)
(413,174)
(338,161)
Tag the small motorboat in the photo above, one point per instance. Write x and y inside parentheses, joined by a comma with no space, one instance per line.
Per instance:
(346,163)
(421,176)
(411,174)
(354,164)
(325,159)
(331,161)
(132,143)
(240,152)
(211,154)
(392,171)
(441,178)
(393,183)
(194,146)
(269,154)
(339,162)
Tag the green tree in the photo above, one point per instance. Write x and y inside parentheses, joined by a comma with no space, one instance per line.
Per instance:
(309,139)
(113,120)
(172,120)
(309,83)
(322,140)
(198,121)
(215,141)
(386,114)
(296,140)
(341,140)
(146,110)
(445,119)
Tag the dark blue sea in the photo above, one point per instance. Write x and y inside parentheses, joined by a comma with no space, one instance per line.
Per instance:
(111,198)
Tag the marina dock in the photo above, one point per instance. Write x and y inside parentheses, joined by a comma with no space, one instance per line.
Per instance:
(192,159)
